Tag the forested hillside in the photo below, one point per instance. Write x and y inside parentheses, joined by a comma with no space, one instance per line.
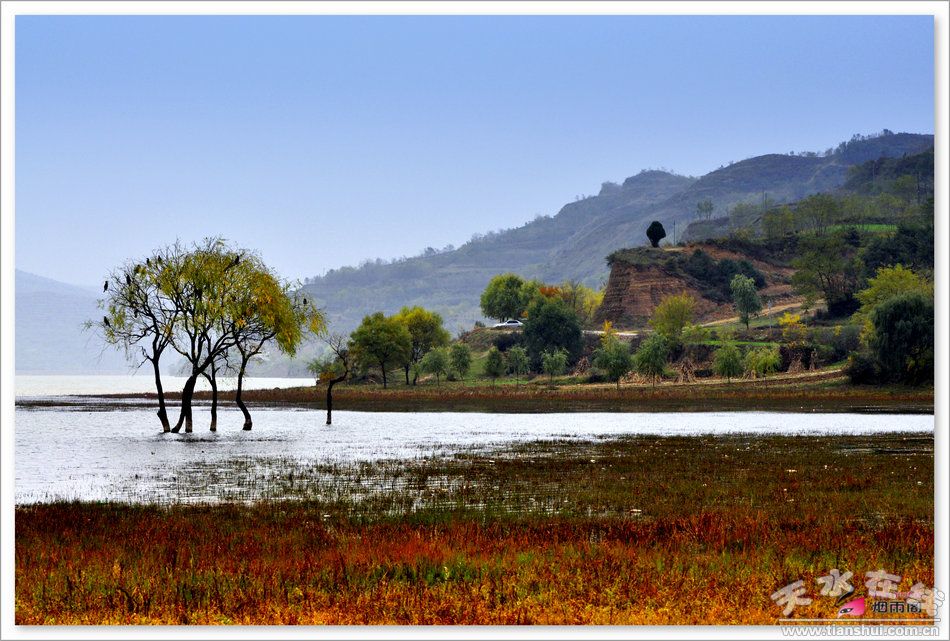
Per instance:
(573,243)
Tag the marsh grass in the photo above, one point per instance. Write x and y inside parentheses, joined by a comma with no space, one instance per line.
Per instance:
(633,530)
(826,391)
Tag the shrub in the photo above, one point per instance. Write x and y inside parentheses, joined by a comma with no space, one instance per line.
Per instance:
(460,359)
(554,362)
(863,369)
(762,361)
(507,340)
(650,359)
(728,361)
(494,364)
(904,338)
(613,357)
(436,362)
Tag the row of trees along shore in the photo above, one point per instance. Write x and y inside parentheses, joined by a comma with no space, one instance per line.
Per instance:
(214,305)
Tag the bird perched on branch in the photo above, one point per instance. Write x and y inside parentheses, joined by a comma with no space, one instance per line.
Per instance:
(105,321)
(105,286)
(234,262)
(128,279)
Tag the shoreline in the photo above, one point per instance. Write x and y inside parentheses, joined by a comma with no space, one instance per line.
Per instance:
(802,394)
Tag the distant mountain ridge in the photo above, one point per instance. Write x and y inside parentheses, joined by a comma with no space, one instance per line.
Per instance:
(573,244)
(570,245)
(49,329)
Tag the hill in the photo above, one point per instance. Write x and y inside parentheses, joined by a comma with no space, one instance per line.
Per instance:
(573,243)
(49,329)
(869,177)
(643,276)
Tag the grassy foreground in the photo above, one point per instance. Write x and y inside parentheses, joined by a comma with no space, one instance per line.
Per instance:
(643,530)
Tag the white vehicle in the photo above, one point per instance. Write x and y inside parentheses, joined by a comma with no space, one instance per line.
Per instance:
(511,323)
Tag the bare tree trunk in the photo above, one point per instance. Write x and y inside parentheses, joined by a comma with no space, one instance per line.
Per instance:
(213,379)
(407,373)
(382,366)
(237,398)
(186,395)
(162,412)
(330,399)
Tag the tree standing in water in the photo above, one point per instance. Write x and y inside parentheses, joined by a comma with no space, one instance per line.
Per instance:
(333,369)
(140,315)
(208,303)
(203,333)
(265,310)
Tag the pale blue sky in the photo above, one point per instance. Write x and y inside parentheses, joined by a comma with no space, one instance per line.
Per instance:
(321,141)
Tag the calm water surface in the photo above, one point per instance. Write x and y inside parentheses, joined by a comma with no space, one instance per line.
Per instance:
(29,386)
(121,454)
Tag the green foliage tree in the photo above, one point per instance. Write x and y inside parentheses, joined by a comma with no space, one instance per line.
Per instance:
(904,337)
(818,212)
(531,291)
(671,317)
(426,333)
(912,246)
(436,362)
(650,358)
(745,297)
(518,361)
(704,209)
(202,285)
(551,325)
(762,361)
(264,310)
(887,283)
(554,362)
(828,267)
(206,302)
(460,359)
(656,233)
(505,297)
(584,300)
(494,364)
(613,356)
(382,342)
(728,361)
(778,223)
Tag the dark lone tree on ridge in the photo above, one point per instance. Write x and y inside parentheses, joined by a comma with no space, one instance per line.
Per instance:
(656,233)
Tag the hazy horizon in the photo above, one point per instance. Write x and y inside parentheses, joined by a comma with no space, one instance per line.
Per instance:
(325,141)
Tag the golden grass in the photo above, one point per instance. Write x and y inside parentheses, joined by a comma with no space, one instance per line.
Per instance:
(642,530)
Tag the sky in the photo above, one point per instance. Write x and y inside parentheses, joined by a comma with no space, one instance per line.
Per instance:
(322,141)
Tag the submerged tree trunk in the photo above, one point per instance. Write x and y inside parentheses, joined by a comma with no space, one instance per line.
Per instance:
(237,397)
(162,412)
(213,379)
(186,395)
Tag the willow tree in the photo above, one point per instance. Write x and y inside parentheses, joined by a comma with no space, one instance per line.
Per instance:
(203,333)
(140,315)
(262,310)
